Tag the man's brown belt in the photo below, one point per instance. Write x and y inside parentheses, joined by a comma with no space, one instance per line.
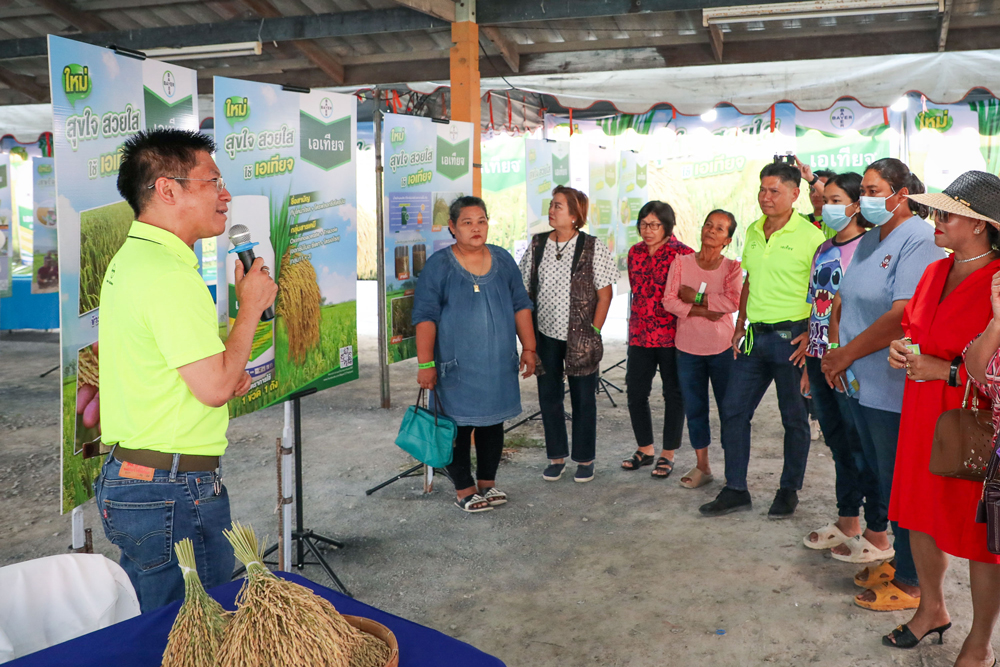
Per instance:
(164,461)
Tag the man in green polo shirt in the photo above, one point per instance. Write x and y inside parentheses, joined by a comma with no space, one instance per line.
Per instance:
(777,256)
(166,376)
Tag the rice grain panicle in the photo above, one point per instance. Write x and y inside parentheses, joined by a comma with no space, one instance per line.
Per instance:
(88,370)
(298,304)
(279,622)
(201,622)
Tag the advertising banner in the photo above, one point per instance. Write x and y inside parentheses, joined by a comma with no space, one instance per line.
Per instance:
(428,164)
(632,182)
(605,217)
(548,166)
(99,99)
(847,137)
(504,180)
(8,227)
(45,262)
(21,179)
(289,163)
(944,141)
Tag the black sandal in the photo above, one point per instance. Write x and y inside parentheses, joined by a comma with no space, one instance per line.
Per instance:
(662,463)
(637,461)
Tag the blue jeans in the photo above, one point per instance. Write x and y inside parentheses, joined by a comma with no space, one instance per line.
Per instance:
(694,372)
(582,396)
(145,519)
(750,377)
(879,433)
(855,481)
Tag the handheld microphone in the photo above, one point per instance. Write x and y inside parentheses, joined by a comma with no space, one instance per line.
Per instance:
(239,236)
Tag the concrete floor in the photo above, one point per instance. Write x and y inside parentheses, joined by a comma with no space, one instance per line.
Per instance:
(619,572)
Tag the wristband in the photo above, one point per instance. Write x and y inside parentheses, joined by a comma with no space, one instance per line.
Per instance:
(814,179)
(423,367)
(832,346)
(953,373)
(595,328)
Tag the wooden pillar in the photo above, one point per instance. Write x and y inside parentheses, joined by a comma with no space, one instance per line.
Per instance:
(465,104)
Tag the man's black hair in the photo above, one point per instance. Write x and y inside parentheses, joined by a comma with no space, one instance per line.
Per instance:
(784,171)
(825,173)
(150,154)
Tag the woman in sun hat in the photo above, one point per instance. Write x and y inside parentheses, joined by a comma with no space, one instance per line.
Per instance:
(950,307)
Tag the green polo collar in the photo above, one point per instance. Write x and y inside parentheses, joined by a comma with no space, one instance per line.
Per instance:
(147,232)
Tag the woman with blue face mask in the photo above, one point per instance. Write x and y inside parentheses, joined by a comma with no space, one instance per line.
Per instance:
(855,485)
(867,316)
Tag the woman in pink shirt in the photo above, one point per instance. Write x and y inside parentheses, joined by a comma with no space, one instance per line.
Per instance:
(703,290)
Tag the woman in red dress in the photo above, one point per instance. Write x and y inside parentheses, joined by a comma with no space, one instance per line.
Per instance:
(950,308)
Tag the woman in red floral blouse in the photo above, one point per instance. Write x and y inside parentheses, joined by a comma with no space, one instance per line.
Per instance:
(651,333)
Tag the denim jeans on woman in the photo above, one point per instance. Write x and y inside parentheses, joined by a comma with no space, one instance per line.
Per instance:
(694,372)
(879,433)
(855,482)
(583,398)
(145,520)
(749,378)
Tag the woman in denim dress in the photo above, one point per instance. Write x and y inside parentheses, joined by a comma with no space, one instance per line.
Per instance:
(468,307)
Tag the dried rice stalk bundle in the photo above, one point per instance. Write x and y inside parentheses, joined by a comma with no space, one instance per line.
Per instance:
(200,623)
(278,622)
(372,653)
(88,367)
(298,304)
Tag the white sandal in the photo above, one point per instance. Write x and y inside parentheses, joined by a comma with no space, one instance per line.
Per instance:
(829,537)
(495,496)
(863,551)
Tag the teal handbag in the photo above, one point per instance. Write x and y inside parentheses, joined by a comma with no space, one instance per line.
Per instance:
(427,436)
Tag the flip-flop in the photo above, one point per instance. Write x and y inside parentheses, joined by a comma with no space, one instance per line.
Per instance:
(888,597)
(829,537)
(695,478)
(877,575)
(863,551)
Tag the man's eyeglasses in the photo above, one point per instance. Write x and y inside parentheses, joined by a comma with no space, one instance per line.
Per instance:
(220,183)
(652,226)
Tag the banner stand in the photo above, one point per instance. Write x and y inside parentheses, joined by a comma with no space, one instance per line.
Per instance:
(304,538)
(383,345)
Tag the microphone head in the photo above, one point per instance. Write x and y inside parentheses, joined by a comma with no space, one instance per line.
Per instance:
(239,234)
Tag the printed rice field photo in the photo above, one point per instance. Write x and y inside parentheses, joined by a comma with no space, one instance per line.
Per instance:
(442,201)
(102,232)
(81,423)
(508,216)
(399,310)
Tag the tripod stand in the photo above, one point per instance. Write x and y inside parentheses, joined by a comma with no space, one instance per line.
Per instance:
(302,537)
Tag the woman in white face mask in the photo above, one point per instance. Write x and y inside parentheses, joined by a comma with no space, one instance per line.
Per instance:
(867,316)
(856,486)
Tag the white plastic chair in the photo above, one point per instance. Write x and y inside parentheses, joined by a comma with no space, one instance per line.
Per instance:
(50,600)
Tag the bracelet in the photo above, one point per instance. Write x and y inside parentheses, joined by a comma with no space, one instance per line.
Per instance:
(953,373)
(595,328)
(423,367)
(832,346)
(814,179)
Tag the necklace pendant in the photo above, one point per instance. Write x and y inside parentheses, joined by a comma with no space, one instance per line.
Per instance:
(475,288)
(558,255)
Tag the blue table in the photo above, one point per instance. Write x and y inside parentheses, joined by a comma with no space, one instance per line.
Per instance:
(24,310)
(140,641)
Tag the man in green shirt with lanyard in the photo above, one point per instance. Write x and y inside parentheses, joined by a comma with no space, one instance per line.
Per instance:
(777,256)
(166,376)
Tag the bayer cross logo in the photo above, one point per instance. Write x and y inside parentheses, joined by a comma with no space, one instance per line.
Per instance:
(169,84)
(326,107)
(453,133)
(842,118)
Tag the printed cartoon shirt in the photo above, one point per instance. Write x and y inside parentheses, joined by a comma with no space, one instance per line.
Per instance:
(650,325)
(828,267)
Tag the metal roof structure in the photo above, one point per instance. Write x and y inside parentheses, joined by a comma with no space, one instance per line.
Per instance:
(323,43)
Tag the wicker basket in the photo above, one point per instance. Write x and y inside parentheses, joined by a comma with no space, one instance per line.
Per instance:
(380,631)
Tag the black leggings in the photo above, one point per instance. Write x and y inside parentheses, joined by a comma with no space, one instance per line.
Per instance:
(489,448)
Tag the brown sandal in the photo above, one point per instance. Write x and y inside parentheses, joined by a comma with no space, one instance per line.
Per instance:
(888,597)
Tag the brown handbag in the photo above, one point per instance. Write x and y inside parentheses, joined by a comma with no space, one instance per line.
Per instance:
(963,441)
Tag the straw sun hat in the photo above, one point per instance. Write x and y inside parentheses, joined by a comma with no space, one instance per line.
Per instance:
(974,194)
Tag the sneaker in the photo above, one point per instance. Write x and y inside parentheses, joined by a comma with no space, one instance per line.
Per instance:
(814,431)
(785,501)
(728,501)
(584,473)
(553,472)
